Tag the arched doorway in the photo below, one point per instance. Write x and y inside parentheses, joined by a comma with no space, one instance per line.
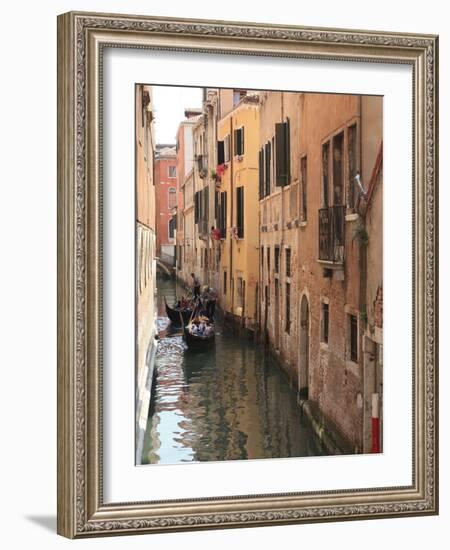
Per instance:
(303,365)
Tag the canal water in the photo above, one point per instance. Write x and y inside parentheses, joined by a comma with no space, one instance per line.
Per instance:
(228,402)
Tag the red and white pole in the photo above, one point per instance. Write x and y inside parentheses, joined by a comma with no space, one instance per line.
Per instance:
(375,423)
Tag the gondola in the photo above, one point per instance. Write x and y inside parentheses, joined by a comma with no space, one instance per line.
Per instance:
(174,314)
(197,340)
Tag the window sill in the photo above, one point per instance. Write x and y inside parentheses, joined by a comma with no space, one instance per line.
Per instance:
(331,265)
(303,224)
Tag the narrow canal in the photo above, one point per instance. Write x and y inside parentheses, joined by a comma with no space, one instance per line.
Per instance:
(226,403)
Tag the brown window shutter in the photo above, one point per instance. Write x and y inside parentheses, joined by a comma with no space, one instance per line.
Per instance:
(220,152)
(280,152)
(268,161)
(261,174)
(287,130)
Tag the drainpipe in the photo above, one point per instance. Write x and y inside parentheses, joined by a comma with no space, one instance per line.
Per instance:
(281,254)
(362,288)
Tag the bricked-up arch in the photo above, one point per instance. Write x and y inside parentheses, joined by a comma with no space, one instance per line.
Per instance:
(303,363)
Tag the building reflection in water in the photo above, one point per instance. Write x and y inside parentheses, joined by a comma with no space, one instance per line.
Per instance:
(230,402)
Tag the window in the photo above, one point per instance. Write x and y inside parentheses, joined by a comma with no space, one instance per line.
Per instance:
(338,169)
(197,204)
(216,206)
(239,141)
(353,164)
(220,152)
(325,172)
(353,330)
(303,176)
(240,212)
(223,214)
(240,292)
(282,153)
(277,259)
(262,190)
(172,227)
(172,171)
(288,262)
(224,282)
(268,156)
(268,260)
(226,148)
(262,257)
(172,197)
(325,322)
(287,327)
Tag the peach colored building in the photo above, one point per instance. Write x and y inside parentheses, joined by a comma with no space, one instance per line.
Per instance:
(145,259)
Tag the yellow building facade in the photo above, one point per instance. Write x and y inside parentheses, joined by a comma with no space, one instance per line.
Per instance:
(237,186)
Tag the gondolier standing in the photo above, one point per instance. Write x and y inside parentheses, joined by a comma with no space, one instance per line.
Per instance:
(210,298)
(196,285)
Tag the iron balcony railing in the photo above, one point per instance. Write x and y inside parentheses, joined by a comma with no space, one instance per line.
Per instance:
(332,234)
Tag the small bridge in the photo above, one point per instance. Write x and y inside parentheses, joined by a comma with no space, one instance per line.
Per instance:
(164,268)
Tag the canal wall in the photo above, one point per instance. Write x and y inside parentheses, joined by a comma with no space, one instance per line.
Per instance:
(332,438)
(143,395)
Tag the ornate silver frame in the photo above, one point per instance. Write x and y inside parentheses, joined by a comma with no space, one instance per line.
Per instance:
(81,39)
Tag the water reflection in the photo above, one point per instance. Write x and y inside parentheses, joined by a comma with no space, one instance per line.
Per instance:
(228,402)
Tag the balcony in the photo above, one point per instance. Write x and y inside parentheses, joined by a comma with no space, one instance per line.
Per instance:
(332,234)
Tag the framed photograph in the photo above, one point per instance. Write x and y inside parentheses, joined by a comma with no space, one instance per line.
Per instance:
(247,288)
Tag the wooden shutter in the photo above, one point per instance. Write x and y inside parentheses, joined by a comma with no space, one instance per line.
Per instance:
(240,211)
(196,207)
(220,152)
(287,129)
(267,171)
(224,234)
(227,148)
(261,174)
(280,151)
(242,141)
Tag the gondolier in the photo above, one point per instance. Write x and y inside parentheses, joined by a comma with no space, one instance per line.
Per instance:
(196,285)
(210,298)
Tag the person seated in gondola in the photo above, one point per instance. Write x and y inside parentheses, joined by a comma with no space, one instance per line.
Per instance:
(208,329)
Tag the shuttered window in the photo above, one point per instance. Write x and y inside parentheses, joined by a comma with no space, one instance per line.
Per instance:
(288,261)
(268,156)
(226,148)
(325,173)
(287,326)
(223,214)
(196,206)
(216,206)
(240,211)
(220,152)
(282,153)
(303,171)
(261,174)
(239,141)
